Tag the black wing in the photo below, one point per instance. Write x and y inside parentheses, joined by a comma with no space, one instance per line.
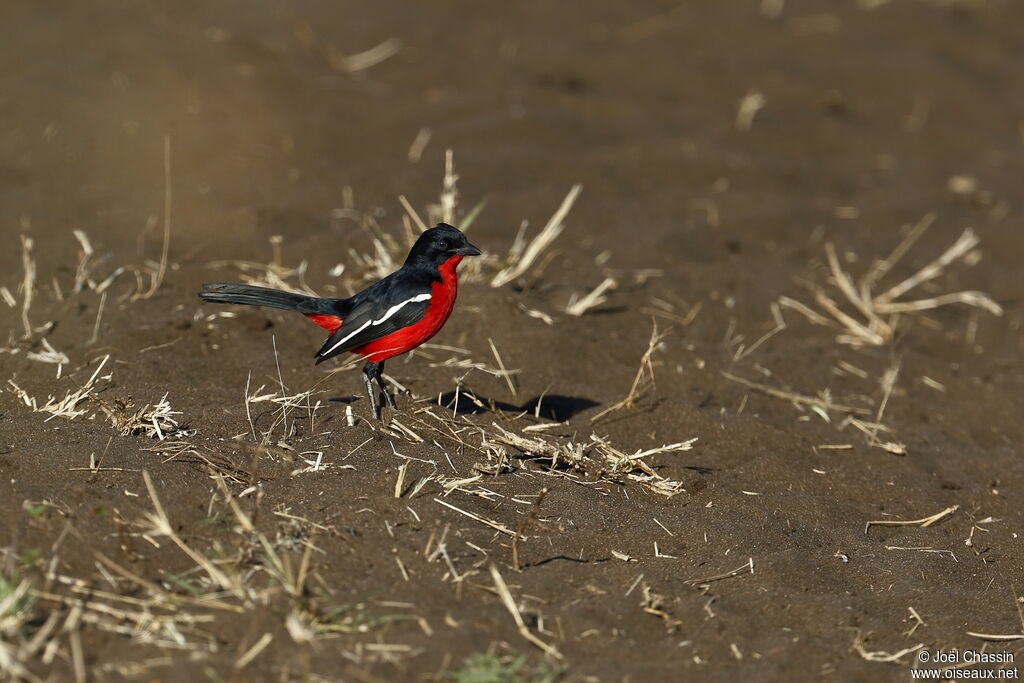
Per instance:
(395,302)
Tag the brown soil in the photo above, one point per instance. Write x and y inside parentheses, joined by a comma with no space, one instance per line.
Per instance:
(867,116)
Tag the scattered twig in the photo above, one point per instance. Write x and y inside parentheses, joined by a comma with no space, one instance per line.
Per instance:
(880,655)
(578,305)
(645,371)
(253,652)
(923,522)
(158,279)
(368,58)
(419,144)
(747,568)
(162,525)
(750,104)
(510,605)
(527,518)
(825,404)
(28,284)
(997,637)
(99,316)
(483,520)
(506,375)
(400,480)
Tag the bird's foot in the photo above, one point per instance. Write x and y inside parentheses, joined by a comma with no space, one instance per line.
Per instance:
(374,405)
(387,394)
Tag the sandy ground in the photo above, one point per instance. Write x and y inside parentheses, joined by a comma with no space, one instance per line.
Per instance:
(721,147)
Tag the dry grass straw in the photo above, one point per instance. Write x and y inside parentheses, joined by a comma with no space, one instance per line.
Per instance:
(285,402)
(998,637)
(338,60)
(99,316)
(528,519)
(252,652)
(1018,602)
(500,444)
(747,568)
(505,374)
(644,377)
(413,214)
(873,320)
(470,364)
(923,522)
(48,354)
(597,455)
(881,655)
(510,604)
(824,406)
(655,604)
(296,403)
(28,284)
(67,407)
(870,319)
(742,351)
(822,403)
(449,190)
(520,262)
(419,144)
(750,104)
(578,305)
(155,421)
(373,56)
(497,526)
(871,429)
(273,274)
(84,256)
(161,269)
(161,525)
(15,613)
(83,278)
(152,420)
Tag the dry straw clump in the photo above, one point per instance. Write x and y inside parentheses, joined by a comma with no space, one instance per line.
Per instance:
(157,420)
(866,312)
(875,314)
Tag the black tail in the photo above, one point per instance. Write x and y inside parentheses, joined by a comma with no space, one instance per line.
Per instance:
(227,293)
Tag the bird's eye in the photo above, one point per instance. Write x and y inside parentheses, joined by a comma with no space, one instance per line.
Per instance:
(442,245)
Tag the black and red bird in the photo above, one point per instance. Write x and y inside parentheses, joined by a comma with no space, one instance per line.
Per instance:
(388,318)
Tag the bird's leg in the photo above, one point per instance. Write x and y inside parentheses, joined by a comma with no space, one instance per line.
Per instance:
(384,389)
(371,370)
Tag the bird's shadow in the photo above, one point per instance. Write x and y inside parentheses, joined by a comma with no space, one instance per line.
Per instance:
(555,407)
(561,558)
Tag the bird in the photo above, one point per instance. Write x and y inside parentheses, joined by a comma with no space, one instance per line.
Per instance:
(390,317)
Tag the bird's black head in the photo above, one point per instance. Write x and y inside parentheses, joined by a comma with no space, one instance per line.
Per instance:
(438,245)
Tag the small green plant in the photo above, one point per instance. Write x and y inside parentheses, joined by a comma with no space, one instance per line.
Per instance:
(36,510)
(30,558)
(488,668)
(15,602)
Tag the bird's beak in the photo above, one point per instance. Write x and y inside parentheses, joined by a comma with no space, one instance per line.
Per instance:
(468,250)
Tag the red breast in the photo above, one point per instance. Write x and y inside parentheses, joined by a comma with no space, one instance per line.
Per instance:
(442,301)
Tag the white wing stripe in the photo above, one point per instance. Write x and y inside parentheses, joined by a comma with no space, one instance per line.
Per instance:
(390,312)
(394,309)
(348,336)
